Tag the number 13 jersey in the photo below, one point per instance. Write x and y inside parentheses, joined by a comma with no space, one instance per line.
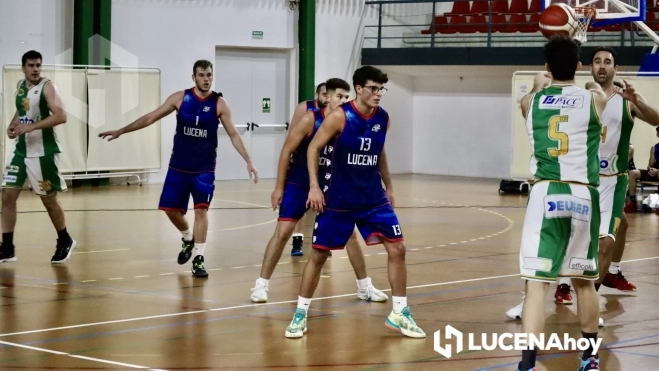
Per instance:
(352,177)
(564,130)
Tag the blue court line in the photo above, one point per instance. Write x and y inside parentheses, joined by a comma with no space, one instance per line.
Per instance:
(603,348)
(635,354)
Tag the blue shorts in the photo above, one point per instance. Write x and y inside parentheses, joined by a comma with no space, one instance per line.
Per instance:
(293,202)
(333,229)
(180,185)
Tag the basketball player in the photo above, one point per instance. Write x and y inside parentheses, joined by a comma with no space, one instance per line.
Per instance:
(192,164)
(319,101)
(354,195)
(291,192)
(39,109)
(560,232)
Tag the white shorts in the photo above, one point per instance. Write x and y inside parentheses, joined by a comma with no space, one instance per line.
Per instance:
(560,233)
(613,192)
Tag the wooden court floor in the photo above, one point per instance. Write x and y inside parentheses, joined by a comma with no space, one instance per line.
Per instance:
(122,301)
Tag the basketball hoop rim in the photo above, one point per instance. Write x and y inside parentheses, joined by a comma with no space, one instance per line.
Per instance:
(582,10)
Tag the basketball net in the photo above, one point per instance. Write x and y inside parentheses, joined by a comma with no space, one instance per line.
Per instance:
(585,15)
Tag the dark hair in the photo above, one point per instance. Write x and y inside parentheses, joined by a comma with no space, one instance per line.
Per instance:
(32,54)
(605,49)
(562,57)
(366,73)
(333,84)
(203,64)
(320,86)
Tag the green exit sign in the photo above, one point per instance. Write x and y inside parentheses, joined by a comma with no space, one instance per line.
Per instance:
(266,105)
(257,34)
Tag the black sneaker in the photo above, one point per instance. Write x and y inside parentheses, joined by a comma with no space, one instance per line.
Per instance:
(198,269)
(63,251)
(298,242)
(7,254)
(186,251)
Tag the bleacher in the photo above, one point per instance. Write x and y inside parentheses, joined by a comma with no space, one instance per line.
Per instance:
(507,23)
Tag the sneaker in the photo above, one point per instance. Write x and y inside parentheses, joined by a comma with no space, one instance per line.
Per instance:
(601,322)
(298,242)
(371,293)
(63,251)
(404,323)
(563,295)
(298,326)
(259,293)
(530,369)
(7,254)
(618,281)
(516,312)
(186,251)
(631,207)
(198,269)
(593,363)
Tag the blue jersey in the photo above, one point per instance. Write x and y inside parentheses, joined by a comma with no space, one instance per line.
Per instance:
(311,105)
(195,141)
(298,172)
(353,174)
(656,156)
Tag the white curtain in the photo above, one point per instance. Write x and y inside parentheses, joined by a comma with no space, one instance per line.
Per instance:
(117,98)
(71,135)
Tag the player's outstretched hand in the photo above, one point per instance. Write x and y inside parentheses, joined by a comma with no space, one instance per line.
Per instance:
(10,131)
(316,199)
(114,134)
(629,93)
(542,80)
(253,174)
(276,197)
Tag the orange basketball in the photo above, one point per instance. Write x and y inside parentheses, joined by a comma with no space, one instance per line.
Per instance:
(558,19)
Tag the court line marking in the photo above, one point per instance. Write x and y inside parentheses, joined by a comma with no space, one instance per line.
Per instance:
(75,356)
(98,251)
(265,304)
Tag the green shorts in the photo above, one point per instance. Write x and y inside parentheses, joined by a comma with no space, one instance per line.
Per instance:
(613,191)
(560,233)
(42,172)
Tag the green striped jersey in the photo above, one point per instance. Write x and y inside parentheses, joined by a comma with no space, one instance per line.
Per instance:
(564,131)
(32,107)
(617,123)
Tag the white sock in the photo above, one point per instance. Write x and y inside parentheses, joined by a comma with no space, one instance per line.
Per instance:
(187,235)
(564,280)
(614,268)
(262,282)
(199,248)
(298,235)
(303,303)
(400,302)
(362,285)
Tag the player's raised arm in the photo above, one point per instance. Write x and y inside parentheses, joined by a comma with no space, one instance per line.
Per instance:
(297,133)
(599,95)
(236,140)
(540,81)
(330,128)
(170,105)
(640,107)
(56,107)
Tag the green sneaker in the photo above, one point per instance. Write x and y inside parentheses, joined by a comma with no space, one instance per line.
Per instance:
(404,323)
(186,251)
(298,326)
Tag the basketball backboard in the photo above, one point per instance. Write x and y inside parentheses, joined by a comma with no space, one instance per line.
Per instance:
(608,11)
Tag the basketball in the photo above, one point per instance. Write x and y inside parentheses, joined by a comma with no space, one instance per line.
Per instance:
(558,19)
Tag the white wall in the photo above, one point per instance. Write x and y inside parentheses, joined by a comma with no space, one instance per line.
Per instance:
(49,31)
(173,34)
(399,102)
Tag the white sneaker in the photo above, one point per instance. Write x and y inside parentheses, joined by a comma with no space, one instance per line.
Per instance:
(260,293)
(601,323)
(516,312)
(371,293)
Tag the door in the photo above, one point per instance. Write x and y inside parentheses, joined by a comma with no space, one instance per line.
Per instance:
(255,83)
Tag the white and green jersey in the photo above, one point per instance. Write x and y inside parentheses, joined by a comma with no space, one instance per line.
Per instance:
(617,123)
(564,131)
(32,107)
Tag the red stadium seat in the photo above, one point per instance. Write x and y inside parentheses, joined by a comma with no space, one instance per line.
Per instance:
(459,8)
